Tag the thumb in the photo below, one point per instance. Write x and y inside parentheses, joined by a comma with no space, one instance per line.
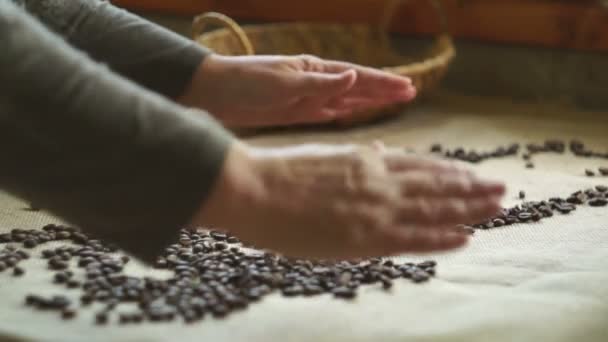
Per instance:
(326,85)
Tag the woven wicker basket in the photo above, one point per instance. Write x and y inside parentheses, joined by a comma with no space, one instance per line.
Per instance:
(362,44)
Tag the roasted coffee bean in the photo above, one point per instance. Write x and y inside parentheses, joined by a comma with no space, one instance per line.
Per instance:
(420,276)
(428,263)
(101,318)
(524,216)
(68,314)
(62,235)
(344,292)
(233,240)
(589,173)
(529,165)
(498,222)
(601,188)
(22,254)
(72,284)
(56,263)
(387,283)
(18,271)
(218,236)
(603,171)
(598,202)
(60,278)
(30,243)
(10,261)
(522,194)
(436,148)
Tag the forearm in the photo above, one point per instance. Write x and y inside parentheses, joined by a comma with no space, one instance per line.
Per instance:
(96,149)
(144,52)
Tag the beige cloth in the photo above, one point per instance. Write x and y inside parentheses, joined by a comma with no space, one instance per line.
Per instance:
(539,282)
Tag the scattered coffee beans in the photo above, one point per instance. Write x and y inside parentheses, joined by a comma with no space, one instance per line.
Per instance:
(549,146)
(473,156)
(537,210)
(578,149)
(212,275)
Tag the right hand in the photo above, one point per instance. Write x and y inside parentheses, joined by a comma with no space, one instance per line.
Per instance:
(345,202)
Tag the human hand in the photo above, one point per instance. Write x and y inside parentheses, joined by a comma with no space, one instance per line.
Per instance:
(346,202)
(257,91)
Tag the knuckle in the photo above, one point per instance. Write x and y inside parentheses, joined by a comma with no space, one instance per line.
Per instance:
(308,60)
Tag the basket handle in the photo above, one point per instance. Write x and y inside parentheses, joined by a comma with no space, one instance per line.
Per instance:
(205,20)
(391,9)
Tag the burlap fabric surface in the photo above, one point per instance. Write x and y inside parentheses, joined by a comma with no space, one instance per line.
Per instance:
(539,282)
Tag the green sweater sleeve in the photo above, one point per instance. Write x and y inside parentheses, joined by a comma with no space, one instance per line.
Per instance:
(98,150)
(144,52)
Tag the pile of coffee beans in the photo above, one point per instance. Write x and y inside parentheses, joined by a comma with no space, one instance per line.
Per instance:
(10,257)
(212,274)
(473,156)
(535,211)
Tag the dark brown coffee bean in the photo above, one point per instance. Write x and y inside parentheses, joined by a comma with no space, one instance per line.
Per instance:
(602,188)
(101,318)
(62,235)
(48,253)
(72,284)
(59,302)
(522,194)
(68,314)
(218,236)
(498,222)
(23,254)
(598,202)
(344,292)
(86,299)
(428,263)
(32,300)
(18,271)
(30,243)
(10,261)
(603,171)
(57,264)
(387,283)
(524,216)
(233,240)
(420,276)
(60,278)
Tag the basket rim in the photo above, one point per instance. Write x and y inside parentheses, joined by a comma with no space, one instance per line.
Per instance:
(443,43)
(309,24)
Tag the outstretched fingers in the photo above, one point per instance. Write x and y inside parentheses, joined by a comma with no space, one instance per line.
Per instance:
(447,184)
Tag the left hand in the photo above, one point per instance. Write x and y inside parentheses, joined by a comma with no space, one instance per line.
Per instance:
(257,91)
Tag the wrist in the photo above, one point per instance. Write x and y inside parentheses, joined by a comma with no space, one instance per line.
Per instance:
(237,189)
(200,89)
